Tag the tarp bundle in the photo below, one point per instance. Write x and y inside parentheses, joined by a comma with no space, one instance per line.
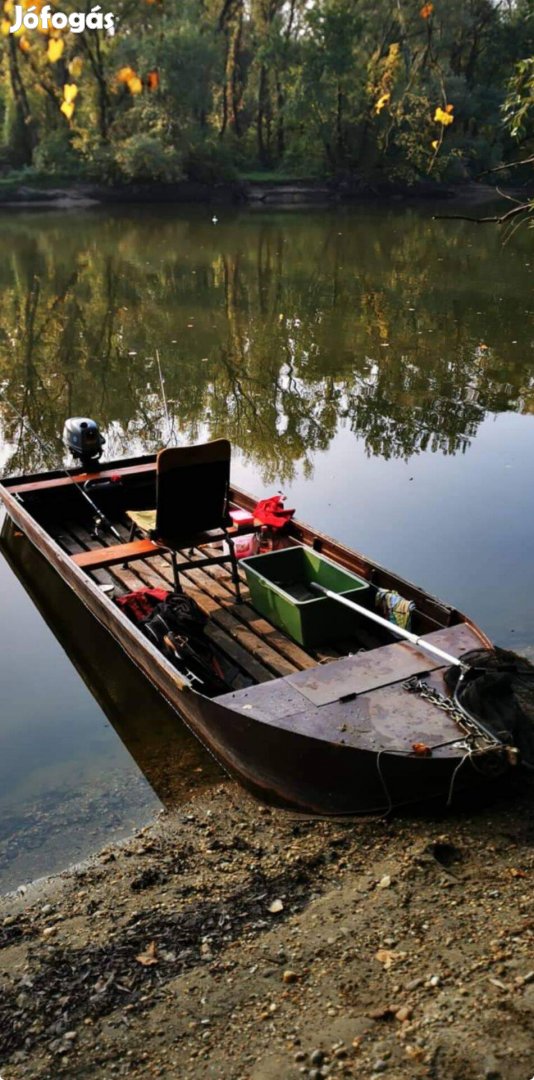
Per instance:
(272,512)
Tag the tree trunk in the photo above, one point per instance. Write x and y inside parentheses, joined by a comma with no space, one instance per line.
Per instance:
(339,124)
(22,104)
(262,116)
(280,130)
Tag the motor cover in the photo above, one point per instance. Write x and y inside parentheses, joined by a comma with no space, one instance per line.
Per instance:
(83,439)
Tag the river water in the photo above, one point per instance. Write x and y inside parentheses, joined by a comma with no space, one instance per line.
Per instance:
(376,365)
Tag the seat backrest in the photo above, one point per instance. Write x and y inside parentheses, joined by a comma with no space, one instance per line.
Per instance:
(192,490)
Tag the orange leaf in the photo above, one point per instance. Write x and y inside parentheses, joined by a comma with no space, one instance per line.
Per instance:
(152,80)
(67,108)
(449,108)
(426,11)
(55,50)
(149,956)
(125,74)
(24,45)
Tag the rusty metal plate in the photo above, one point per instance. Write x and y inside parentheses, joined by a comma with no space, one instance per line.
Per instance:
(380,667)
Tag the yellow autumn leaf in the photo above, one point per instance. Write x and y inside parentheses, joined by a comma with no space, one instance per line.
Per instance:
(55,50)
(444,117)
(435,144)
(4,27)
(76,67)
(67,108)
(70,91)
(135,85)
(8,7)
(125,74)
(383,100)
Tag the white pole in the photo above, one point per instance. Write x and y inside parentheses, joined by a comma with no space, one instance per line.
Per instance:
(398,630)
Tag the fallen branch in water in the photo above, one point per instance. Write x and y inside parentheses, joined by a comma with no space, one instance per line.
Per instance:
(495,218)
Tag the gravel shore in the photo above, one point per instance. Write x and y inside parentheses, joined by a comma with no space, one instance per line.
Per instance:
(231,942)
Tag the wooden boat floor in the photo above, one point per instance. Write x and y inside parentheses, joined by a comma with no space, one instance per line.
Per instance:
(259,650)
(376,717)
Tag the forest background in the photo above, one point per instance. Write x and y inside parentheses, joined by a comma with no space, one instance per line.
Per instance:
(214,90)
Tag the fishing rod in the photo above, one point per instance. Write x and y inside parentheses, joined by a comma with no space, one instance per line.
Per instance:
(100,517)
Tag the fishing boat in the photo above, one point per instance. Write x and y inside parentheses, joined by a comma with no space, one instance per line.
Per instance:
(345,716)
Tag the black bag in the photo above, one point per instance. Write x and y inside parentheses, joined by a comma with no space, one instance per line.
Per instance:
(177,614)
(177,628)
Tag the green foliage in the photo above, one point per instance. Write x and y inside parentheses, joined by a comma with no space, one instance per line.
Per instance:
(144,157)
(204,89)
(54,155)
(519,104)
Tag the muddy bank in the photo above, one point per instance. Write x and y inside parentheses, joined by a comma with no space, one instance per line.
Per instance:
(242,192)
(231,942)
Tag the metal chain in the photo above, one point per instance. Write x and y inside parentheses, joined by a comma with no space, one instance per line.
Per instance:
(416,685)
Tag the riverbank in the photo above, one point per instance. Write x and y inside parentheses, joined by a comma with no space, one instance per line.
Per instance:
(69,196)
(232,942)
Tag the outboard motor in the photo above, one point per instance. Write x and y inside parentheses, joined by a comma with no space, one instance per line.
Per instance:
(82,438)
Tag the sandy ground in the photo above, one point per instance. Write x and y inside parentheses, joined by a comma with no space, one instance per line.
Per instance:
(228,941)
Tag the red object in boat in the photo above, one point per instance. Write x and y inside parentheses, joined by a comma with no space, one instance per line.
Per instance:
(272,512)
(140,604)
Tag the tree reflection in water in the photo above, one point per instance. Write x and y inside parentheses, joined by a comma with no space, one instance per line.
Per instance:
(273,330)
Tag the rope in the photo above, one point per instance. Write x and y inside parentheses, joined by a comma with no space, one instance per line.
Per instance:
(468,754)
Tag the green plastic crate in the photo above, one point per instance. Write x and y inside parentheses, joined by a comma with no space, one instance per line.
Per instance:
(279,588)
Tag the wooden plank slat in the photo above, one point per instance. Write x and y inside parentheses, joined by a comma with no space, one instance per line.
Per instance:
(118,553)
(72,547)
(75,539)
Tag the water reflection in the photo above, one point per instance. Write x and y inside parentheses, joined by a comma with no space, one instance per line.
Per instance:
(172,760)
(274,331)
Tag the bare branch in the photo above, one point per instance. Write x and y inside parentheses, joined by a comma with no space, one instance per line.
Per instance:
(508,165)
(522,208)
